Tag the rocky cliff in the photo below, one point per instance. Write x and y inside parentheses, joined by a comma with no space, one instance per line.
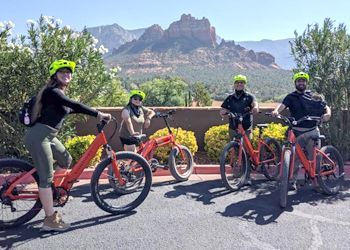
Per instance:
(188,42)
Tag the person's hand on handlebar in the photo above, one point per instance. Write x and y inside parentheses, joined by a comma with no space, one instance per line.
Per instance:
(104,116)
(275,113)
(223,112)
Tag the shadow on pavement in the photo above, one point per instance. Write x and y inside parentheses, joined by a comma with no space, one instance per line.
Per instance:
(31,231)
(265,209)
(199,191)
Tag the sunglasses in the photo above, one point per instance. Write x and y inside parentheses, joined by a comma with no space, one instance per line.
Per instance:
(239,82)
(137,98)
(301,80)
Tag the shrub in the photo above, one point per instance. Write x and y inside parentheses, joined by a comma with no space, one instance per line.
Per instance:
(273,130)
(183,137)
(78,145)
(215,139)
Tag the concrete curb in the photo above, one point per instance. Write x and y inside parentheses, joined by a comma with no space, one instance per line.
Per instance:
(204,170)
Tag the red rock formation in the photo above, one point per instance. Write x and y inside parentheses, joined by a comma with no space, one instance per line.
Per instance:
(191,28)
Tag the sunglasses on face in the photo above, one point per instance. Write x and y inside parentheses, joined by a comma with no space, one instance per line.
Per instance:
(136,98)
(239,82)
(64,71)
(301,80)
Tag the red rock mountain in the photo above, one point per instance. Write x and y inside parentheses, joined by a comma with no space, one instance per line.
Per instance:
(187,43)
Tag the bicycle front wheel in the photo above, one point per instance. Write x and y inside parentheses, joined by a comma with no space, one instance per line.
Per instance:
(233,169)
(330,171)
(26,205)
(120,199)
(181,168)
(284,177)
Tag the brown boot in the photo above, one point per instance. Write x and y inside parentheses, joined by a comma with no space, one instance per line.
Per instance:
(54,223)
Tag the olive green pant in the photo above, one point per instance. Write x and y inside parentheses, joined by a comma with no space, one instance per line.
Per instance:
(44,147)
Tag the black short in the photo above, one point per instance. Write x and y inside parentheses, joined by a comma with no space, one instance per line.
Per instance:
(129,141)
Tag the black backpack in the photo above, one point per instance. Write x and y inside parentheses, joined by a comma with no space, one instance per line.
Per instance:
(26,112)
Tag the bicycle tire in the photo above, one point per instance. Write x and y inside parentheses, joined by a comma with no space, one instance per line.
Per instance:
(233,182)
(97,184)
(271,171)
(284,177)
(327,186)
(8,168)
(175,167)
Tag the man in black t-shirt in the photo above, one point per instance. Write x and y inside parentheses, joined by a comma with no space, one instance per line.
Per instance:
(303,102)
(240,102)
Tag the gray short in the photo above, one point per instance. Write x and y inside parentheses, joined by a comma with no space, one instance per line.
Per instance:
(44,147)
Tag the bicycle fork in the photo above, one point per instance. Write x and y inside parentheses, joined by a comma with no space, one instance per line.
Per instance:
(115,166)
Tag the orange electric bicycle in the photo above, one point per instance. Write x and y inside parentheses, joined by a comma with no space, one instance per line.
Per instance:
(240,152)
(326,167)
(180,161)
(19,197)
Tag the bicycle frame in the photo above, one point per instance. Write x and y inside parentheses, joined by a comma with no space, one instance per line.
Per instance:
(147,149)
(308,165)
(70,177)
(245,142)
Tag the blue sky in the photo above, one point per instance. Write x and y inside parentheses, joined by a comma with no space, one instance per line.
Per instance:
(239,20)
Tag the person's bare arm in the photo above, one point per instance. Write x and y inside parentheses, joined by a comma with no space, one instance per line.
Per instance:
(278,109)
(327,116)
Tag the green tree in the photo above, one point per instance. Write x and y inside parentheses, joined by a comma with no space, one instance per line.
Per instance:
(324,52)
(170,91)
(201,95)
(24,63)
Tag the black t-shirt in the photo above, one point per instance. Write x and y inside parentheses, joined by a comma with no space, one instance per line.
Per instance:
(55,106)
(302,104)
(239,104)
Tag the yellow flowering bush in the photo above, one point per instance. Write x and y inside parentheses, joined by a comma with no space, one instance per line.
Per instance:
(78,145)
(273,130)
(215,139)
(182,137)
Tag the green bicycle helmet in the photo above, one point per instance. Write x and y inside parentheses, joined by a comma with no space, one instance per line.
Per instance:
(59,64)
(301,75)
(240,78)
(137,92)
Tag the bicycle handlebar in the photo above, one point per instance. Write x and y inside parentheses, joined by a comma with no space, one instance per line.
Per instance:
(103,123)
(165,114)
(292,122)
(238,115)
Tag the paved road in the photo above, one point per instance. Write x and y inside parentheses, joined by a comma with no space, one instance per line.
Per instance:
(199,214)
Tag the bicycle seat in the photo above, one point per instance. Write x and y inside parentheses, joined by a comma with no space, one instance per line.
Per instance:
(141,137)
(316,138)
(264,125)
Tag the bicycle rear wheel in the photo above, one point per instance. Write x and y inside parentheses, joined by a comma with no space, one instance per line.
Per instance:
(330,182)
(272,168)
(15,212)
(233,174)
(181,168)
(284,177)
(120,199)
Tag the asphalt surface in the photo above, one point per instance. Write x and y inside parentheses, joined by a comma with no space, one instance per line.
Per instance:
(199,214)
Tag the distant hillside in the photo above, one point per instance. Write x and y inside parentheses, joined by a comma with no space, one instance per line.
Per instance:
(280,49)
